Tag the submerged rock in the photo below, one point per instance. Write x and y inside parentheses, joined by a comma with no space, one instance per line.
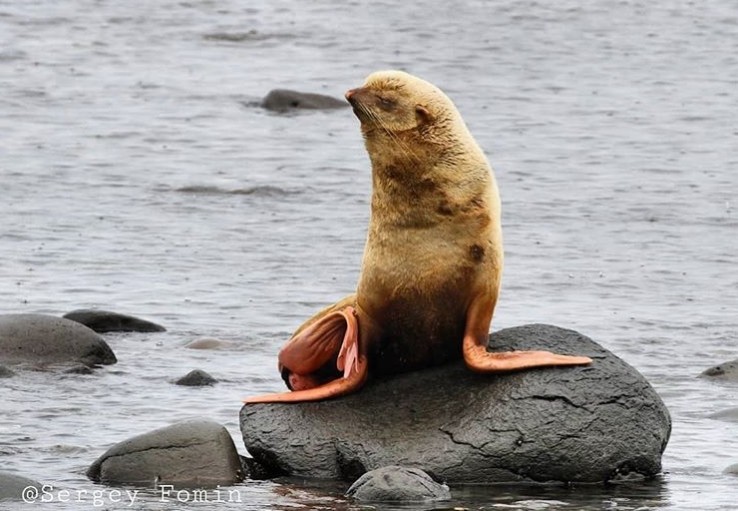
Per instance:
(209,344)
(38,338)
(105,321)
(189,453)
(572,424)
(732,469)
(728,415)
(281,100)
(6,373)
(12,486)
(724,371)
(397,484)
(196,378)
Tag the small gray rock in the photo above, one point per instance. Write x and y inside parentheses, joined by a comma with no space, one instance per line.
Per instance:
(196,378)
(38,338)
(732,469)
(6,373)
(725,371)
(105,321)
(209,344)
(397,484)
(281,100)
(12,486)
(190,453)
(727,415)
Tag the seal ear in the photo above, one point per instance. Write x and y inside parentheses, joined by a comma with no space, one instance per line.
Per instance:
(423,115)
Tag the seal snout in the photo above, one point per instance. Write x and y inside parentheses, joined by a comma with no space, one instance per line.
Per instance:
(350,95)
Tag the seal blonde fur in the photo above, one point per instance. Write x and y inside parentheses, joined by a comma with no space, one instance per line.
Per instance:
(433,258)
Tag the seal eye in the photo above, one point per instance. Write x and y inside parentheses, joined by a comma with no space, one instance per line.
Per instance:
(386,104)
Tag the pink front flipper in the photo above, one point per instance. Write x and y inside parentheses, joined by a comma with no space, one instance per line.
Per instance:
(313,347)
(348,356)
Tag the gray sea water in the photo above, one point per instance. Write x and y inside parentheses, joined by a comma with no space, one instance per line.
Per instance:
(136,175)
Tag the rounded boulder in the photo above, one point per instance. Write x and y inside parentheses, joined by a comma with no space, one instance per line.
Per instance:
(595,423)
(39,338)
(12,486)
(186,454)
(102,321)
(397,484)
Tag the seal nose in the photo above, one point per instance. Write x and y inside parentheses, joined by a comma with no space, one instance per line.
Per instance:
(350,94)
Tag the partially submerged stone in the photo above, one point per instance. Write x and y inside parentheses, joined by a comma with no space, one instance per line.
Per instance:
(196,378)
(43,339)
(12,486)
(397,484)
(281,100)
(727,415)
(724,371)
(102,321)
(186,454)
(209,344)
(572,424)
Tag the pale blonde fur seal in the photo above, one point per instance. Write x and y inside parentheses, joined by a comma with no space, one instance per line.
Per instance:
(433,259)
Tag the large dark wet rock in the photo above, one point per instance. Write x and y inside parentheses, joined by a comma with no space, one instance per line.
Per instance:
(12,487)
(281,100)
(106,321)
(38,338)
(189,453)
(592,423)
(397,484)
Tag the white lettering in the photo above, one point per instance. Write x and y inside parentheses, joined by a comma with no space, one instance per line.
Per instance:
(115,495)
(165,492)
(200,496)
(132,494)
(233,491)
(97,498)
(46,493)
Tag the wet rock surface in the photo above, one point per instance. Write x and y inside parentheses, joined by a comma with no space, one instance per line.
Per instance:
(196,378)
(42,339)
(281,100)
(585,424)
(724,371)
(727,415)
(12,486)
(397,484)
(210,344)
(102,321)
(189,453)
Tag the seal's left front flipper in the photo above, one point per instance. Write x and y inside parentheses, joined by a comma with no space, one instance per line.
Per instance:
(334,388)
(330,345)
(477,358)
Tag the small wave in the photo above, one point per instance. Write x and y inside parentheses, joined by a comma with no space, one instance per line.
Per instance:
(240,37)
(11,54)
(258,191)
